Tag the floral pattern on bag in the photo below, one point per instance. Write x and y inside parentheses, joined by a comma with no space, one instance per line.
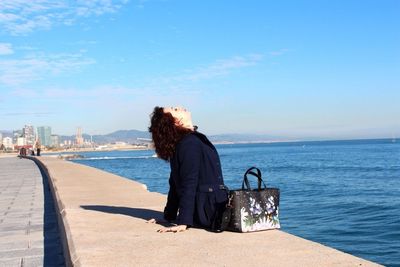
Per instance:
(260,216)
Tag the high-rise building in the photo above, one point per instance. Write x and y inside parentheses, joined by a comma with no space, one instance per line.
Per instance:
(16,135)
(29,133)
(44,135)
(79,138)
(55,140)
(1,138)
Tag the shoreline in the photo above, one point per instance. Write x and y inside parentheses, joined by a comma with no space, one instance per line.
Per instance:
(93,150)
(266,142)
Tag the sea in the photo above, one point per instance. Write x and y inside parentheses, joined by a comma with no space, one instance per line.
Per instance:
(343,194)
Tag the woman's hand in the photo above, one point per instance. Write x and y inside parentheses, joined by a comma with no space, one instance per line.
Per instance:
(173,229)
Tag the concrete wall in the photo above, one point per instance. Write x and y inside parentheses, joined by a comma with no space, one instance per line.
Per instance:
(103,217)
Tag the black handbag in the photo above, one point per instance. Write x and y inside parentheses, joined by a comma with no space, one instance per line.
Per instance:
(252,210)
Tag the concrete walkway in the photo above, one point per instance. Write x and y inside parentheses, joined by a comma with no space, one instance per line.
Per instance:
(29,235)
(104,224)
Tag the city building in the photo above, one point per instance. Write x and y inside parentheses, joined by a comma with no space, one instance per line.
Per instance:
(55,140)
(21,141)
(16,134)
(1,138)
(79,138)
(29,133)
(44,135)
(8,142)
(67,143)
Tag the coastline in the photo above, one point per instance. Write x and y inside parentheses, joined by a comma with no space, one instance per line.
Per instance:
(47,152)
(250,142)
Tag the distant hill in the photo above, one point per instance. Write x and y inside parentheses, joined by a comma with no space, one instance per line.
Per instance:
(128,136)
(6,133)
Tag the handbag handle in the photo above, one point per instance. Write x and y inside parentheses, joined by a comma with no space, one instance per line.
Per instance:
(255,172)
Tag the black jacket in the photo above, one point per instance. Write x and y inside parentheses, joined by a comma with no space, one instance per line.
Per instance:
(196,184)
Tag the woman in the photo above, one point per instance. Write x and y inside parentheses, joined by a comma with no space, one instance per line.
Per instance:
(197,194)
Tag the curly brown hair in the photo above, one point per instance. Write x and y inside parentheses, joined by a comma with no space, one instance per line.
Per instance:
(165,133)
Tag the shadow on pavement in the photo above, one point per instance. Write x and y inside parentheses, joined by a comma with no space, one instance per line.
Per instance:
(53,252)
(140,213)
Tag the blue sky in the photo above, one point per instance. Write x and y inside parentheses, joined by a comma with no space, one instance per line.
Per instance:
(295,69)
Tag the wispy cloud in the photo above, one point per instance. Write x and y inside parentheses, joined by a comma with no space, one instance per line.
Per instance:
(98,100)
(35,114)
(19,17)
(6,49)
(69,93)
(29,68)
(279,52)
(99,92)
(220,67)
(141,3)
(25,93)
(36,66)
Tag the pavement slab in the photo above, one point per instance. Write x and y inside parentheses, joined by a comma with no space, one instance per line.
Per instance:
(27,216)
